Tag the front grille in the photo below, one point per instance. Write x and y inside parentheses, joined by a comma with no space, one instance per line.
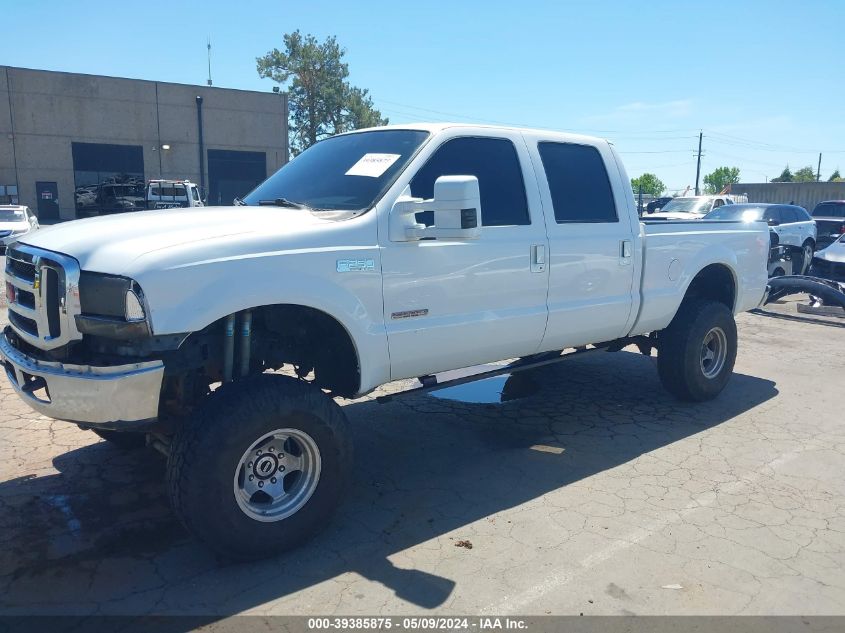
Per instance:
(25,298)
(45,301)
(20,269)
(23,324)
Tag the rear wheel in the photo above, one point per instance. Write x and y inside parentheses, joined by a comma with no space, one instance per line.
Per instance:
(697,351)
(803,259)
(261,467)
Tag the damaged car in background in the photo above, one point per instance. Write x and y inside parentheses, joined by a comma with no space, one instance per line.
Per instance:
(830,262)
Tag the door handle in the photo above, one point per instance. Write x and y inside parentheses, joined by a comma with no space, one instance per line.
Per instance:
(538,258)
(626,252)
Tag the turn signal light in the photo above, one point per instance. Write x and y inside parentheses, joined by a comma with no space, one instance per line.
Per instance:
(134,309)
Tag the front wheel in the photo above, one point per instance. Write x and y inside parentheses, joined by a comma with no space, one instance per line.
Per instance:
(261,467)
(697,351)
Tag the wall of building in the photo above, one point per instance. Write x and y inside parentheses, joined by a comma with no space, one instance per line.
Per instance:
(42,113)
(804,194)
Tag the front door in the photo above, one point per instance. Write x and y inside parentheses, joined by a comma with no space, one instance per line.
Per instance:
(48,200)
(458,303)
(591,263)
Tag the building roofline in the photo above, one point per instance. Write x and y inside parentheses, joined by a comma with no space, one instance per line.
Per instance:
(149,81)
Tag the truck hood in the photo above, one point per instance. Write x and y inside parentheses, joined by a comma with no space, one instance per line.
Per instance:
(114,243)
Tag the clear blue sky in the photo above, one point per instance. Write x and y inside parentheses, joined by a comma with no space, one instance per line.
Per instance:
(764,79)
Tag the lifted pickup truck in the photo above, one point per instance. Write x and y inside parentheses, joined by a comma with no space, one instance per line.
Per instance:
(374,256)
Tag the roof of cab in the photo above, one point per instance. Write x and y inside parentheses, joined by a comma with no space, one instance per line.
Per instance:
(435,127)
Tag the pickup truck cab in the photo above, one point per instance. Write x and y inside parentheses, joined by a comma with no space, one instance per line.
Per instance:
(378,255)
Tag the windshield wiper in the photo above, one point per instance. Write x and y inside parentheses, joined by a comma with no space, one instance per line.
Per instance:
(282,202)
(240,203)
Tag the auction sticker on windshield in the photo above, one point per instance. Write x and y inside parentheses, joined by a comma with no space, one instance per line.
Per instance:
(372,165)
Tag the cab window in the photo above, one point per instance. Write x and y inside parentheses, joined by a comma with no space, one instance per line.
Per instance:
(494,162)
(578,183)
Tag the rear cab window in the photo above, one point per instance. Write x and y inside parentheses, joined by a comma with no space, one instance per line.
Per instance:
(578,183)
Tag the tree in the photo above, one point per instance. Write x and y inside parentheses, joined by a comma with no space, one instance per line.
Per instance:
(835,177)
(651,184)
(785,176)
(805,174)
(720,178)
(321,102)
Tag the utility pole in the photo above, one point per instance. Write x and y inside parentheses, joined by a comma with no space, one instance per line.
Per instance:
(819,169)
(698,165)
(209,61)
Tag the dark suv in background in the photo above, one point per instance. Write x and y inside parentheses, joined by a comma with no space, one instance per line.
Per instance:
(656,205)
(830,221)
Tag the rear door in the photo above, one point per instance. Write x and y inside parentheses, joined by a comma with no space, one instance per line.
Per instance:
(796,229)
(774,218)
(591,242)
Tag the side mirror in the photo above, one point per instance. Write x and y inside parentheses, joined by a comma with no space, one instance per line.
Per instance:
(773,222)
(456,206)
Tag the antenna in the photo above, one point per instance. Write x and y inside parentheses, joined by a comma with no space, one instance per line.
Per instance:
(209,60)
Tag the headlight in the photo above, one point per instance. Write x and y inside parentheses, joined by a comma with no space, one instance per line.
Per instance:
(111,306)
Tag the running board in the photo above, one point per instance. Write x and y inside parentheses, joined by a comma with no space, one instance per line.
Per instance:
(433,383)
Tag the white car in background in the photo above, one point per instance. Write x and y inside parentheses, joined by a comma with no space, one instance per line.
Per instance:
(792,224)
(15,221)
(694,207)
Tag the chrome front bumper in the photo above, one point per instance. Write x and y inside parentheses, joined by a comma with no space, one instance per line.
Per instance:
(122,396)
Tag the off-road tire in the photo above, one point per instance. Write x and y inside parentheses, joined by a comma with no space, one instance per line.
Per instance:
(124,440)
(679,358)
(206,450)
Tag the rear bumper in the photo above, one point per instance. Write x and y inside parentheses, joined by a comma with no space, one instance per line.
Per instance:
(119,397)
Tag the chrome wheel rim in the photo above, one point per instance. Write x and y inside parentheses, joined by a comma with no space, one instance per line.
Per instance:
(277,475)
(714,352)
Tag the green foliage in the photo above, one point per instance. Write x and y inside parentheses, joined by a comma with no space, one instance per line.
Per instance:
(321,102)
(805,174)
(835,177)
(651,184)
(785,176)
(720,178)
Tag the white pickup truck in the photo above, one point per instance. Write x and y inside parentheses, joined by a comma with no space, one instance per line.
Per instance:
(383,254)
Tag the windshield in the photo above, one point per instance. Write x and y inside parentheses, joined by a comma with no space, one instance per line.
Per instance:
(687,205)
(737,212)
(11,215)
(342,173)
(830,210)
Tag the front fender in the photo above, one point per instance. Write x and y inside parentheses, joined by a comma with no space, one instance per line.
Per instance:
(189,297)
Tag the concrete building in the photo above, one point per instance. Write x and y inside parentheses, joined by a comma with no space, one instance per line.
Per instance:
(804,194)
(73,145)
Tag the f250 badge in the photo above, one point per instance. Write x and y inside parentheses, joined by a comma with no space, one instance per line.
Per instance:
(355,265)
